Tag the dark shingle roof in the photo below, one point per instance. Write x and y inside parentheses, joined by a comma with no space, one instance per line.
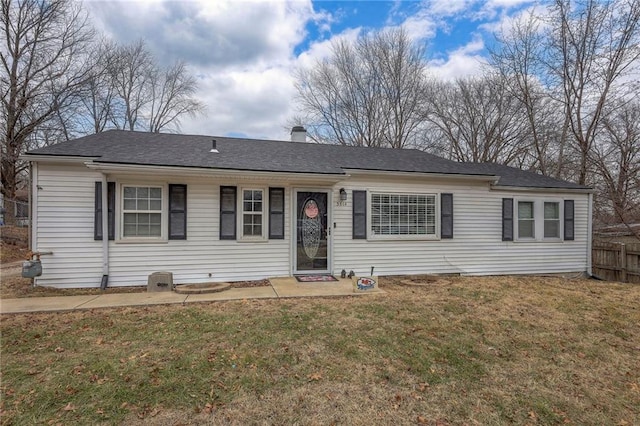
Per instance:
(161,149)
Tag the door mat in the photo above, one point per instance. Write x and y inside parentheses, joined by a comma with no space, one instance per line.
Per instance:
(315,278)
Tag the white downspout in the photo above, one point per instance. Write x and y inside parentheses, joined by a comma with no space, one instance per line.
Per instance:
(590,235)
(105,232)
(33,205)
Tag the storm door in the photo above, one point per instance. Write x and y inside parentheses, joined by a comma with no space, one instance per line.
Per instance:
(311,250)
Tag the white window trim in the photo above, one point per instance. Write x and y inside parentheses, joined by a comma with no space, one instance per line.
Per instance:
(240,214)
(560,220)
(401,237)
(538,217)
(536,225)
(120,210)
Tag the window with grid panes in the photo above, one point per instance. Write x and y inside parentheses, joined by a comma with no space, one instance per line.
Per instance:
(252,213)
(141,211)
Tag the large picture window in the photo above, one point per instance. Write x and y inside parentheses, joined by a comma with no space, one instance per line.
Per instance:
(141,211)
(403,215)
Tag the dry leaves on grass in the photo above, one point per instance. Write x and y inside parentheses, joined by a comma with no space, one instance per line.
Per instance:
(474,351)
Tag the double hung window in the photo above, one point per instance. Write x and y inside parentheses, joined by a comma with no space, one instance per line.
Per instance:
(526,220)
(142,211)
(252,213)
(551,219)
(539,220)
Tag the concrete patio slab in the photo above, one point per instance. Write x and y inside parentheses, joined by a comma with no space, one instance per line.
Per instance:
(281,287)
(44,304)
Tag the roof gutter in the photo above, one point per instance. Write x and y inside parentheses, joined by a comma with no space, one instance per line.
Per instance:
(541,189)
(55,158)
(206,172)
(453,176)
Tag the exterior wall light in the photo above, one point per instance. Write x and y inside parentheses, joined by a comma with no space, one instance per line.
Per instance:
(343,194)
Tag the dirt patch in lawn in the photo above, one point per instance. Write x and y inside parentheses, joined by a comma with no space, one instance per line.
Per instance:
(417,280)
(14,244)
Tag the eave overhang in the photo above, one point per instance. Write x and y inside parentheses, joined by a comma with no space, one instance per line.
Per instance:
(147,170)
(56,158)
(541,189)
(422,175)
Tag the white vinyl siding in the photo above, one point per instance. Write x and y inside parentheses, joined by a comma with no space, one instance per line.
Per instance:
(64,202)
(65,227)
(476,247)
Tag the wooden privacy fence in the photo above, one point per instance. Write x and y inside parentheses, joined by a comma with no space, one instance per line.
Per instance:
(616,261)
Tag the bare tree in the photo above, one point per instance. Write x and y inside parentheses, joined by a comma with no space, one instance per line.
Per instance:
(172,97)
(41,71)
(367,94)
(520,61)
(616,160)
(146,95)
(98,99)
(131,72)
(592,45)
(476,120)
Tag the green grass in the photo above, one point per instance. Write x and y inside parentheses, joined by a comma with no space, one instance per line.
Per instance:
(460,351)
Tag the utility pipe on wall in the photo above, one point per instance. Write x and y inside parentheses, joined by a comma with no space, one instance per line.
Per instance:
(105,232)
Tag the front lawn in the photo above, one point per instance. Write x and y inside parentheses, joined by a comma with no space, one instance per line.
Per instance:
(494,350)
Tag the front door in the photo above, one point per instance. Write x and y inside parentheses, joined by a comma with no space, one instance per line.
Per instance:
(312,250)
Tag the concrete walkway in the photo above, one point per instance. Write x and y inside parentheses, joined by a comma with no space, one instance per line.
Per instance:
(285,287)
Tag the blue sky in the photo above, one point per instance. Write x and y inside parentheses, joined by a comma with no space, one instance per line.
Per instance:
(451,33)
(244,51)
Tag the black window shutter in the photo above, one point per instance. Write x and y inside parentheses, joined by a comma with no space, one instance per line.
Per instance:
(97,219)
(507,219)
(568,220)
(446,215)
(276,213)
(177,212)
(228,212)
(359,215)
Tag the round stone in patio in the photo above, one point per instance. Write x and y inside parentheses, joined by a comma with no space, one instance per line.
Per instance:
(201,288)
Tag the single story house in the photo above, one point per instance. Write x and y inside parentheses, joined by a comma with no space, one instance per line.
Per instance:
(120,205)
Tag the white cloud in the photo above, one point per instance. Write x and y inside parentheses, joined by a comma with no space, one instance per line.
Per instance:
(218,33)
(448,7)
(463,62)
(420,26)
(255,103)
(322,49)
(507,3)
(244,51)
(241,51)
